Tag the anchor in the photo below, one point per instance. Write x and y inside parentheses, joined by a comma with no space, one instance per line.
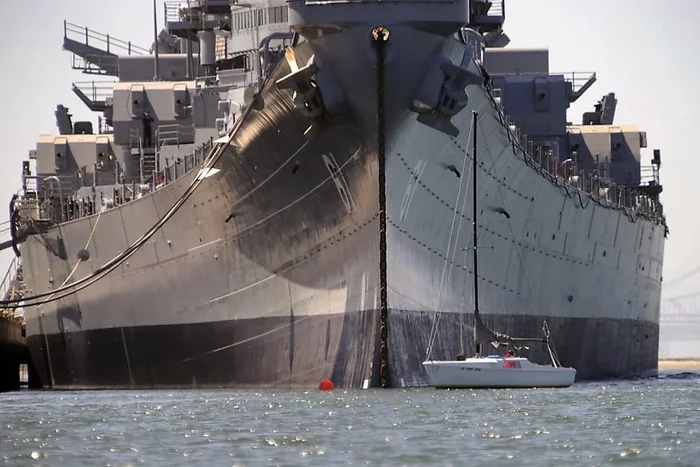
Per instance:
(307,95)
(453,97)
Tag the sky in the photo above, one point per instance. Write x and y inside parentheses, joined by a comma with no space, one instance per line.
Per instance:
(643,50)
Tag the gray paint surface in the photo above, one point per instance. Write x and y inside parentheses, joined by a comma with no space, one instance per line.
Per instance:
(304,244)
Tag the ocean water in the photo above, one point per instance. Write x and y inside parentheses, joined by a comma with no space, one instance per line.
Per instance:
(641,422)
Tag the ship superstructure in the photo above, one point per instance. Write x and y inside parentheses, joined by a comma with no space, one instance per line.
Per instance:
(277,194)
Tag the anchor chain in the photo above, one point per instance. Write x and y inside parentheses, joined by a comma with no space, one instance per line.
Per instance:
(381,36)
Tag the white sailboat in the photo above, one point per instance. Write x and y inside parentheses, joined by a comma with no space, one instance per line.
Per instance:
(495,371)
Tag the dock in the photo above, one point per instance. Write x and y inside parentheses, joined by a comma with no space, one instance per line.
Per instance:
(679,364)
(13,336)
(13,350)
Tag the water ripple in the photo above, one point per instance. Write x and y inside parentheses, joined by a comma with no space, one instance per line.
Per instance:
(645,422)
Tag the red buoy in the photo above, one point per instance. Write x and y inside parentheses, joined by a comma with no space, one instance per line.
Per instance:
(326,385)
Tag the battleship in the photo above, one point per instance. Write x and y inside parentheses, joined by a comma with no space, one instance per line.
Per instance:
(277,193)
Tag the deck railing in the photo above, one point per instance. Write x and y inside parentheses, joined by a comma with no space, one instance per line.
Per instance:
(101,41)
(12,288)
(59,202)
(96,91)
(578,79)
(7,281)
(174,134)
(498,9)
(578,184)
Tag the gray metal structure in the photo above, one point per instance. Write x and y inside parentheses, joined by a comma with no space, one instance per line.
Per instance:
(303,165)
(13,347)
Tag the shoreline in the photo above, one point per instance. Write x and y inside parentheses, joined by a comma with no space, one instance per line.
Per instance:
(679,364)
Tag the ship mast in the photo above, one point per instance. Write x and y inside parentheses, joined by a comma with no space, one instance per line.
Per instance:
(156,72)
(474,225)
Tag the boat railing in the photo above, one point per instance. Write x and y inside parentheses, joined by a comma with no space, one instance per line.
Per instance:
(29,183)
(172,11)
(222,51)
(578,182)
(6,285)
(649,175)
(103,128)
(134,137)
(176,11)
(177,167)
(221,48)
(96,91)
(12,288)
(174,134)
(212,82)
(60,186)
(497,9)
(250,18)
(87,64)
(580,80)
(58,207)
(96,39)
(60,203)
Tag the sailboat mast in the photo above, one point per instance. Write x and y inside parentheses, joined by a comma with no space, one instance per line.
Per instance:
(474,170)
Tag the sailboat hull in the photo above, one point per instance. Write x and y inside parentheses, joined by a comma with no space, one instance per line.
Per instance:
(497,373)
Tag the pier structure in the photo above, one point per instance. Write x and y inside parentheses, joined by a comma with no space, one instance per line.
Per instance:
(13,344)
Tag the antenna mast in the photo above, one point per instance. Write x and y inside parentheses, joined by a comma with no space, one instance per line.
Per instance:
(155,41)
(475,116)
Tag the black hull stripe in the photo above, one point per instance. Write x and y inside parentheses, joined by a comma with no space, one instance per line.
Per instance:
(300,351)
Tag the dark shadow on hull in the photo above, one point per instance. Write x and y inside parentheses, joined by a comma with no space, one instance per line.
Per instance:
(293,190)
(241,353)
(364,364)
(623,347)
(256,352)
(69,313)
(13,351)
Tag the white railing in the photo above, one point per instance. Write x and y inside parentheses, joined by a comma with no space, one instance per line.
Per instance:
(497,9)
(6,288)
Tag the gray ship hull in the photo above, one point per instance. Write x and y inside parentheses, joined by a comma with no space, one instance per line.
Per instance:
(270,274)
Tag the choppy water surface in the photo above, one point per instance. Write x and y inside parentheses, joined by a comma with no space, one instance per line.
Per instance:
(644,422)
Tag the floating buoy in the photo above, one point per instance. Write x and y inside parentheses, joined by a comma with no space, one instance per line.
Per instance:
(326,385)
